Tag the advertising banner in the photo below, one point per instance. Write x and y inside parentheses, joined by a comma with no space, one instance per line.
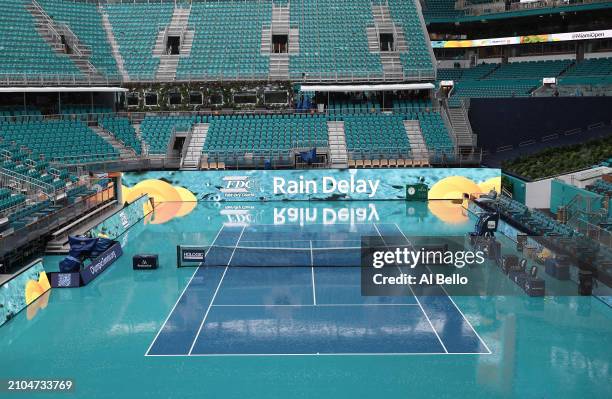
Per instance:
(22,290)
(312,184)
(120,222)
(529,39)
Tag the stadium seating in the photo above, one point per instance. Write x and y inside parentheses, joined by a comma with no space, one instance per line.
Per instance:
(24,52)
(227,41)
(248,133)
(83,109)
(69,140)
(347,107)
(86,23)
(22,162)
(589,71)
(365,131)
(435,132)
(30,112)
(8,199)
(601,187)
(529,70)
(409,106)
(329,44)
(491,89)
(535,221)
(136,26)
(440,9)
(123,130)
(418,58)
(382,134)
(474,73)
(157,130)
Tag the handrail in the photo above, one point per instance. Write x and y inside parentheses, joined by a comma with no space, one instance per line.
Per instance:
(449,125)
(33,185)
(133,115)
(50,22)
(186,143)
(61,161)
(58,79)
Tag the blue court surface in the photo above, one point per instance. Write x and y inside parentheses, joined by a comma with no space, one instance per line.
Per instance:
(303,310)
(301,331)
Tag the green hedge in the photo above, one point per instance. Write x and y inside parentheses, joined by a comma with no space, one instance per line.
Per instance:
(556,161)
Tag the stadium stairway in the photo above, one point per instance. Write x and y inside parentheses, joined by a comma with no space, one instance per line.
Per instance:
(179,26)
(461,127)
(417,141)
(193,155)
(124,152)
(390,60)
(110,36)
(279,62)
(337,145)
(55,34)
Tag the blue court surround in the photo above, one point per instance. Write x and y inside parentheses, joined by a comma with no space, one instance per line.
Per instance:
(231,310)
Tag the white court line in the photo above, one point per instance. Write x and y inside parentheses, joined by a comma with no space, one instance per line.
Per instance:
(307,305)
(396,354)
(215,294)
(311,249)
(182,293)
(314,291)
(415,297)
(456,307)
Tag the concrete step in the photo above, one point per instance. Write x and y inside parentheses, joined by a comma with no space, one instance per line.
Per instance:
(124,152)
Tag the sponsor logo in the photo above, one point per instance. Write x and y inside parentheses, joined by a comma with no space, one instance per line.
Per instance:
(238,186)
(103,263)
(193,255)
(588,35)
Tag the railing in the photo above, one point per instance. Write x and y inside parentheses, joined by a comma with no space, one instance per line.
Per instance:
(78,159)
(74,42)
(50,23)
(440,156)
(186,143)
(44,224)
(449,125)
(57,79)
(304,77)
(592,231)
(32,185)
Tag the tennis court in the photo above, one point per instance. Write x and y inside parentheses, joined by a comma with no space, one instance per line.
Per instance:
(271,290)
(129,333)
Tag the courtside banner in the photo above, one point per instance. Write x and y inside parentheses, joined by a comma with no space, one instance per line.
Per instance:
(101,263)
(312,184)
(188,254)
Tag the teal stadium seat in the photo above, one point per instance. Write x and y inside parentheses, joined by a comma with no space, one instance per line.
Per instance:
(86,23)
(329,45)
(157,130)
(123,130)
(68,140)
(136,26)
(227,41)
(23,51)
(253,133)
